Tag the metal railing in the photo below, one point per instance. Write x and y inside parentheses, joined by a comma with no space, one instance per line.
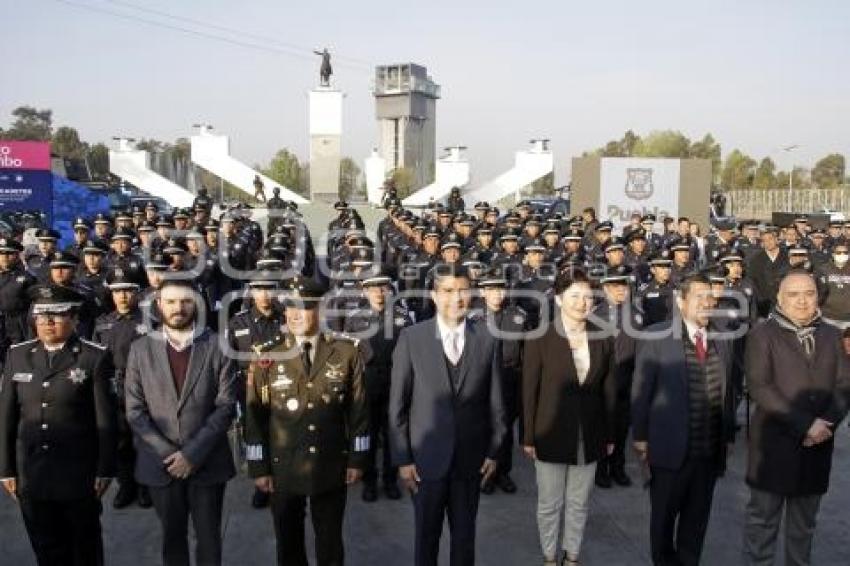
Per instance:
(760,204)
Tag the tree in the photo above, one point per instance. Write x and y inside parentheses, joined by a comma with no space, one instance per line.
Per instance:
(765,177)
(404,180)
(544,186)
(828,172)
(738,171)
(349,172)
(98,159)
(30,124)
(708,148)
(284,169)
(150,145)
(663,143)
(66,143)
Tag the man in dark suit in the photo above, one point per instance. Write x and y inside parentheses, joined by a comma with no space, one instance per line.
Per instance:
(798,376)
(58,431)
(447,421)
(180,402)
(682,418)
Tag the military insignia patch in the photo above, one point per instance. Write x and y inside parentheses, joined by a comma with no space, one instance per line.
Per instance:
(77,376)
(334,372)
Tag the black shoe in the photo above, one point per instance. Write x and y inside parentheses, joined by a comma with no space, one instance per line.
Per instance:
(370,493)
(144,498)
(260,499)
(488,488)
(125,497)
(621,478)
(603,479)
(505,483)
(392,491)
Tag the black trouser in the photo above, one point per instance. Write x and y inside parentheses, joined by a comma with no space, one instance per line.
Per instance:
(125,457)
(684,494)
(510,394)
(326,510)
(64,532)
(379,402)
(616,462)
(174,504)
(457,498)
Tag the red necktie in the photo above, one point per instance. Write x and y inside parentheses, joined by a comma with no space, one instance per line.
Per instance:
(699,345)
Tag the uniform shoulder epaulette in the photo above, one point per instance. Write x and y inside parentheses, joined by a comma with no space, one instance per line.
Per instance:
(24,343)
(93,344)
(268,344)
(342,336)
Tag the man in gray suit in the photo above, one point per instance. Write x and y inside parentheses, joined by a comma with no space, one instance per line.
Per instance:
(446,417)
(180,398)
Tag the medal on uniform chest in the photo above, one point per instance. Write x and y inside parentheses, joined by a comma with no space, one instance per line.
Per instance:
(282,381)
(77,376)
(292,405)
(334,372)
(326,398)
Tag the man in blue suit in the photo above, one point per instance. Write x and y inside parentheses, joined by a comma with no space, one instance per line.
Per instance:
(682,419)
(446,417)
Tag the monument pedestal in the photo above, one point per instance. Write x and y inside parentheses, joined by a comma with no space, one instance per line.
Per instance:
(325,123)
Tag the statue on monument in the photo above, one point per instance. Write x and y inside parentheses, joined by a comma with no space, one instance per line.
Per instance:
(325,71)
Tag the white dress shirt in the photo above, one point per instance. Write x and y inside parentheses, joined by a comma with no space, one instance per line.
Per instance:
(449,334)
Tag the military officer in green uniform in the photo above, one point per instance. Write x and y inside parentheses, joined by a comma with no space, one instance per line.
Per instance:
(307,427)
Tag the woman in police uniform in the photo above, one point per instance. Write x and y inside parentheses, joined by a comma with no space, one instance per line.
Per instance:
(58,431)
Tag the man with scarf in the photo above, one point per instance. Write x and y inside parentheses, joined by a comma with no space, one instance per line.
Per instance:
(798,377)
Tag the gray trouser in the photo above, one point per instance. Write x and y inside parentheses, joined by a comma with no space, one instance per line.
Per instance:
(558,484)
(764,514)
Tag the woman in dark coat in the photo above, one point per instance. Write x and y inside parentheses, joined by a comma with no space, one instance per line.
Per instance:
(569,394)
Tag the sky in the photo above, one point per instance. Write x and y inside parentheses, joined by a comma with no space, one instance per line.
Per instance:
(759,75)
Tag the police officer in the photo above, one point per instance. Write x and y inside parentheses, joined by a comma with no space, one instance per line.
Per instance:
(656,296)
(15,282)
(259,322)
(82,229)
(38,260)
(117,330)
(307,427)
(377,327)
(618,312)
(511,321)
(57,431)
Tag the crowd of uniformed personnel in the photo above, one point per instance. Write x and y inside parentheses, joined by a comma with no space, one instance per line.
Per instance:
(375,282)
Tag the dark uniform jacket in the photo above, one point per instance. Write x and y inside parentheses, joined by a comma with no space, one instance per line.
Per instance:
(117,332)
(306,430)
(14,303)
(57,422)
(790,390)
(377,333)
(656,301)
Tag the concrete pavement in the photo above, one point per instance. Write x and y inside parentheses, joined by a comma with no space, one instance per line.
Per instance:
(382,533)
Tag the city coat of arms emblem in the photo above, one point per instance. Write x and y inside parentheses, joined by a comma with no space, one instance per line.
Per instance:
(639,183)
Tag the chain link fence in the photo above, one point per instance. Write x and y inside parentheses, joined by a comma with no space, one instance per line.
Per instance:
(760,204)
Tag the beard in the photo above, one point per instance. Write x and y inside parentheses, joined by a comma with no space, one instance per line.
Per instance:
(179,321)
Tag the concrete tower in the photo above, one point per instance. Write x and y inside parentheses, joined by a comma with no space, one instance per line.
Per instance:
(406,109)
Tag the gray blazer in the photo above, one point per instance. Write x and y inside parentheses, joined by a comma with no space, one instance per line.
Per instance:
(196,423)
